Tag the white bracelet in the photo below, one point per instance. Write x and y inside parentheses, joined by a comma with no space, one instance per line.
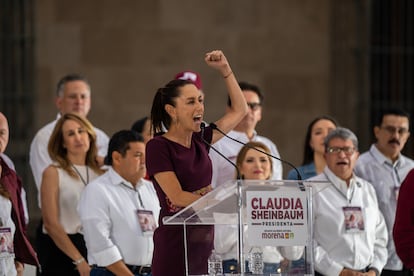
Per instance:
(78,262)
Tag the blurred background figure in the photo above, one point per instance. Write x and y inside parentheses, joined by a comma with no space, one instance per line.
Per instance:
(386,167)
(245,131)
(143,127)
(314,148)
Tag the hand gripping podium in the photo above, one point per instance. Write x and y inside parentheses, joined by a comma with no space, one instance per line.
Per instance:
(274,216)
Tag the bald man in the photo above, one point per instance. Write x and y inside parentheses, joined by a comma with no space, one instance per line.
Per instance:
(24,252)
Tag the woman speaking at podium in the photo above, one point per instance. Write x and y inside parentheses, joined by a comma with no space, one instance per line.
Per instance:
(178,165)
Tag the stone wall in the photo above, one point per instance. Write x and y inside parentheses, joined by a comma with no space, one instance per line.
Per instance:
(300,52)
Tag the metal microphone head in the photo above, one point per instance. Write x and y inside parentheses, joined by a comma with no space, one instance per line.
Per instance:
(213,126)
(203,127)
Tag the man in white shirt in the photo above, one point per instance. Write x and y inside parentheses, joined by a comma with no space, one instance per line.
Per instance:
(119,211)
(385,167)
(245,131)
(73,95)
(350,235)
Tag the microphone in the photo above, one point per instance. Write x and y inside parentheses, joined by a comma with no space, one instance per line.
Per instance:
(203,126)
(301,186)
(239,194)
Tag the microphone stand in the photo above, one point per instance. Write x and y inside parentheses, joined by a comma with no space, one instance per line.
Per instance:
(240,228)
(300,183)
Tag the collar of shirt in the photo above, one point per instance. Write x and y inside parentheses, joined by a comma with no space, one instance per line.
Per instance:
(116,179)
(242,135)
(340,184)
(382,159)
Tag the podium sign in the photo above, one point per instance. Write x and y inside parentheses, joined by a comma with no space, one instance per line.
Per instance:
(277,218)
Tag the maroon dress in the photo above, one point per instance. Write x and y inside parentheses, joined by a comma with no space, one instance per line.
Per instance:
(194,170)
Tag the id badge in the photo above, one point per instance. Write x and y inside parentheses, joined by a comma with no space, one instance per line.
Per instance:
(354,219)
(147,222)
(6,243)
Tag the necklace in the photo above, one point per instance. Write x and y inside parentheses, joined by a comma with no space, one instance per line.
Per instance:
(80,176)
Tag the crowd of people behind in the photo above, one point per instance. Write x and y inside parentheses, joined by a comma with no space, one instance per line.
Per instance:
(103,199)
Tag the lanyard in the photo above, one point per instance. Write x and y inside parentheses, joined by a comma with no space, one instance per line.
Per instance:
(137,191)
(80,176)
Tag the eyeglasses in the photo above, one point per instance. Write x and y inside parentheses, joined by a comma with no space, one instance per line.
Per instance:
(392,130)
(337,150)
(254,106)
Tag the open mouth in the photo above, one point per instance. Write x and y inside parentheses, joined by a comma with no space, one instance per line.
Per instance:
(197,118)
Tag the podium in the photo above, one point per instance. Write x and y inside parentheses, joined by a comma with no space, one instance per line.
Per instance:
(274,215)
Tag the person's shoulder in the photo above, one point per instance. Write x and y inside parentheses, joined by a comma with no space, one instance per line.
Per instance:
(98,185)
(408,183)
(101,180)
(365,159)
(148,184)
(317,177)
(410,174)
(364,155)
(408,160)
(51,174)
(44,132)
(319,184)
(8,161)
(157,141)
(100,132)
(361,182)
(306,171)
(267,142)
(52,168)
(264,139)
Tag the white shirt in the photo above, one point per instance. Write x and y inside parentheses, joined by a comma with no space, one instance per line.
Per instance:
(39,157)
(223,171)
(7,267)
(108,210)
(70,190)
(386,178)
(335,249)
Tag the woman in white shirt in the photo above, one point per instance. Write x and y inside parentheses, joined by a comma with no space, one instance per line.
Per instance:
(72,147)
(252,165)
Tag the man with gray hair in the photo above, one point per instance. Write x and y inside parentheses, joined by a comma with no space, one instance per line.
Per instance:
(350,235)
(73,95)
